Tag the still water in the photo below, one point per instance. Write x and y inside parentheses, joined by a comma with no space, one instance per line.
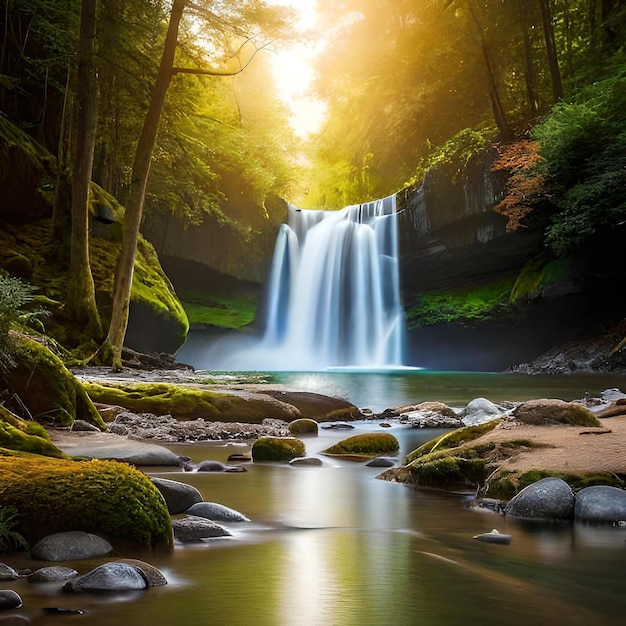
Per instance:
(334,546)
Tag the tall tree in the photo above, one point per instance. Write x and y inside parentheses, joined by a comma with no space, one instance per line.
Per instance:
(81,298)
(551,51)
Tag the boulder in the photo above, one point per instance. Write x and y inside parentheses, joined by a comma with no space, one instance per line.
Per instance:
(548,499)
(52,574)
(112,576)
(479,411)
(554,411)
(277,449)
(600,503)
(364,446)
(193,529)
(303,426)
(178,496)
(9,599)
(429,407)
(72,545)
(7,572)
(309,461)
(216,512)
(154,577)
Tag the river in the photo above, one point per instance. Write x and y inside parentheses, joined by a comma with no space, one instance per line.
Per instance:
(334,546)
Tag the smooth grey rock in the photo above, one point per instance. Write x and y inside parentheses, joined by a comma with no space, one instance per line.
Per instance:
(216,512)
(548,498)
(154,577)
(382,461)
(7,572)
(112,576)
(610,395)
(70,546)
(194,529)
(310,461)
(600,503)
(83,426)
(52,574)
(494,537)
(479,411)
(212,466)
(9,599)
(178,496)
(337,426)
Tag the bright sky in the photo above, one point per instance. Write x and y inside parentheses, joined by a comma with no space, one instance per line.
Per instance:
(293,71)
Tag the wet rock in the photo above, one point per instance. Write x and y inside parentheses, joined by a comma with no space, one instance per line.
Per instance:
(382,461)
(9,599)
(337,426)
(7,572)
(178,496)
(613,394)
(303,426)
(310,461)
(154,577)
(494,537)
(216,512)
(554,411)
(212,466)
(479,411)
(277,449)
(52,574)
(112,576)
(548,498)
(193,529)
(70,546)
(601,503)
(239,457)
(83,426)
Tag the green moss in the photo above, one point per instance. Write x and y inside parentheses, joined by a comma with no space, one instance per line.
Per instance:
(303,426)
(47,388)
(25,436)
(451,439)
(535,276)
(222,311)
(277,449)
(476,303)
(365,445)
(107,498)
(550,412)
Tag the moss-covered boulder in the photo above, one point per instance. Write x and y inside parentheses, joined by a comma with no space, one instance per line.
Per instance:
(106,498)
(25,436)
(277,449)
(553,411)
(47,388)
(364,446)
(303,426)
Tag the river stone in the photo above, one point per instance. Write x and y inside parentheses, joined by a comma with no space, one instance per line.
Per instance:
(310,461)
(178,496)
(14,620)
(494,537)
(382,461)
(600,503)
(52,574)
(112,576)
(212,466)
(194,529)
(303,426)
(7,572)
(216,512)
(154,577)
(70,546)
(548,498)
(479,411)
(9,599)
(554,411)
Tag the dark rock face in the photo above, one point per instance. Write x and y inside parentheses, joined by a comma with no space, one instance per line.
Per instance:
(601,503)
(547,499)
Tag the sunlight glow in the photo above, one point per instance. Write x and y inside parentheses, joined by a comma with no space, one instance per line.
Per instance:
(293,70)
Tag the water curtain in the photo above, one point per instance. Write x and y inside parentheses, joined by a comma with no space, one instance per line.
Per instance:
(334,294)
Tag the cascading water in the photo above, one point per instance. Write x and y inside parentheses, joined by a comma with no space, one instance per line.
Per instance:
(333,294)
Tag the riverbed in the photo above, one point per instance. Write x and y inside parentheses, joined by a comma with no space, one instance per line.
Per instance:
(332,545)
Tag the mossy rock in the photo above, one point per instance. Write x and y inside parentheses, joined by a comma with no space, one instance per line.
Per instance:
(106,498)
(26,436)
(186,402)
(47,388)
(364,446)
(553,411)
(303,426)
(277,449)
(451,439)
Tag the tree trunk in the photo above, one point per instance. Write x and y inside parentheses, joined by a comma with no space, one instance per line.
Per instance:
(553,61)
(529,73)
(81,299)
(111,350)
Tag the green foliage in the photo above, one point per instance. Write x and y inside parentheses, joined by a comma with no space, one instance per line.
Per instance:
(475,303)
(103,497)
(535,276)
(16,312)
(10,539)
(365,445)
(223,311)
(277,449)
(26,436)
(583,142)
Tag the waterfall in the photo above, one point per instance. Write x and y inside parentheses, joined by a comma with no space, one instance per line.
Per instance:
(333,294)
